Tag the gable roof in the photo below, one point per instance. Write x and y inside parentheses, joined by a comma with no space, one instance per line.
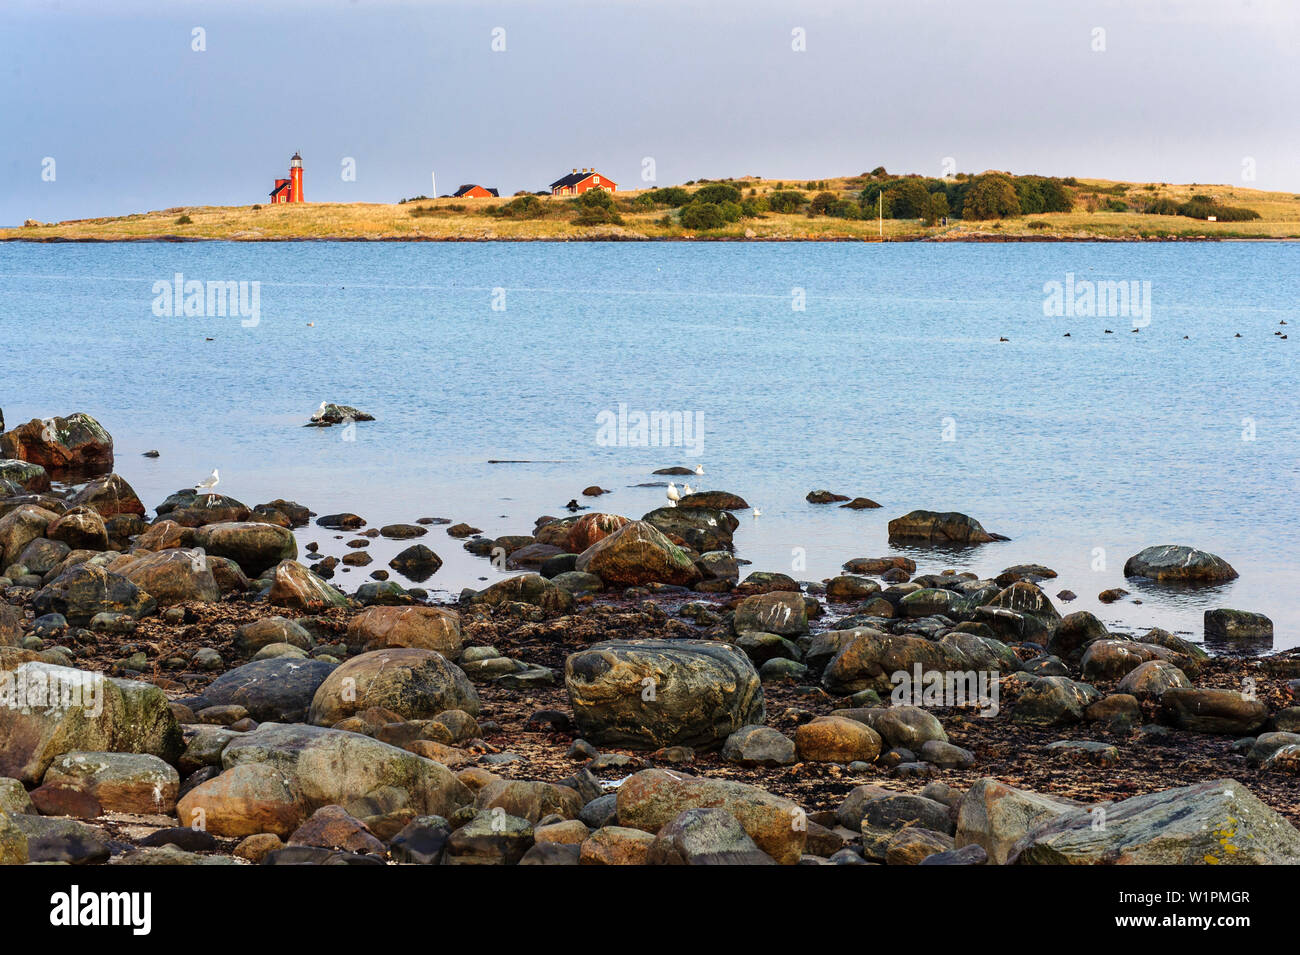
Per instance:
(573,178)
(472,185)
(281,185)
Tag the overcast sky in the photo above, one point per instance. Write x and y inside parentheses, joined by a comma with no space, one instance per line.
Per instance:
(136,119)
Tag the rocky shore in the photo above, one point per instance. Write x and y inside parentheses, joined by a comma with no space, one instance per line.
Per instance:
(180,685)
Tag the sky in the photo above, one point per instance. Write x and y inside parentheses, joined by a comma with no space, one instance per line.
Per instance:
(110,107)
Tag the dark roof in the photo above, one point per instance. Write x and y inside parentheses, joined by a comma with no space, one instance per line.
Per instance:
(296,156)
(468,186)
(573,178)
(280,186)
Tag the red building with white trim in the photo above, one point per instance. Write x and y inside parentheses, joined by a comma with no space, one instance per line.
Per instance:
(472,191)
(290,190)
(579,181)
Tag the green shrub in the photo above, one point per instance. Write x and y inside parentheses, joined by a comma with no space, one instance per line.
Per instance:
(716,194)
(786,200)
(990,196)
(524,207)
(184,220)
(701,215)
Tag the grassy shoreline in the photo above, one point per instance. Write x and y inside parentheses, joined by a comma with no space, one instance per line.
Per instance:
(477,220)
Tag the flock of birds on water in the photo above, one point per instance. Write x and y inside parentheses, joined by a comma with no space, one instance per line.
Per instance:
(1281,335)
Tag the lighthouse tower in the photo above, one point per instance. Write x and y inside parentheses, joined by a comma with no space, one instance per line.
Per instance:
(295,179)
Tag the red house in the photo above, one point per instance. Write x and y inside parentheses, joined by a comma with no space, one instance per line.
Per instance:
(474,192)
(579,181)
(290,190)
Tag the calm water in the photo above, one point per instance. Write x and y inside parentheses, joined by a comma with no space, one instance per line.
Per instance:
(1082,449)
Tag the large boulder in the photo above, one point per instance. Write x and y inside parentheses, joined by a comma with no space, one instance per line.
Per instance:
(192,509)
(996,816)
(110,496)
(173,576)
(47,711)
(651,799)
(635,554)
(705,837)
(296,587)
(120,782)
(415,684)
(781,613)
(647,694)
(1212,711)
(84,590)
(1054,701)
(1179,564)
(77,444)
(28,476)
(81,528)
(714,500)
(277,775)
(869,659)
(948,527)
(701,528)
(1074,634)
(1211,823)
(1223,625)
(1152,679)
(1038,619)
(425,628)
(254,546)
(589,529)
(276,690)
(19,528)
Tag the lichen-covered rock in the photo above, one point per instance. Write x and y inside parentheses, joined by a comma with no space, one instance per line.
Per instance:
(1054,700)
(648,694)
(109,496)
(173,576)
(782,613)
(996,816)
(277,775)
(702,529)
(47,711)
(19,528)
(834,739)
(589,529)
(1212,711)
(120,782)
(84,590)
(636,554)
(1211,823)
(278,690)
(526,588)
(415,684)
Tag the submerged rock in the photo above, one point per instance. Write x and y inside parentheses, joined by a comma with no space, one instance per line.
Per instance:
(939,527)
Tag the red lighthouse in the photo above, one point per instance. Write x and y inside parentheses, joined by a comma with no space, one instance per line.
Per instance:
(290,190)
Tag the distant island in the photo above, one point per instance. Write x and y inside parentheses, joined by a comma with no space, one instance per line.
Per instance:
(874,206)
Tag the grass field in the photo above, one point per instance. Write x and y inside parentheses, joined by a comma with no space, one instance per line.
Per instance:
(470,219)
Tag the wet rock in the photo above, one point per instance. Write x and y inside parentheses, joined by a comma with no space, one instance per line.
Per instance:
(848,587)
(589,529)
(255,547)
(714,500)
(342,522)
(653,798)
(705,836)
(650,693)
(1114,659)
(416,562)
(879,565)
(26,475)
(1054,700)
(526,588)
(1120,711)
(1212,711)
(1074,634)
(861,504)
(576,582)
(197,510)
(20,527)
(1219,822)
(414,683)
(824,497)
(1232,626)
(43,555)
(869,659)
(637,554)
(93,713)
(490,838)
(1178,563)
(909,727)
(331,827)
(252,637)
(80,528)
(946,527)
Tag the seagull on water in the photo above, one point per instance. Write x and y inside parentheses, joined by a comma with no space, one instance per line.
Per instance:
(758,512)
(673,495)
(699,469)
(686,489)
(212,481)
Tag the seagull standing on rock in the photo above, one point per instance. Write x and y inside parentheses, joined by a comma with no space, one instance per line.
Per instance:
(320,412)
(212,481)
(673,495)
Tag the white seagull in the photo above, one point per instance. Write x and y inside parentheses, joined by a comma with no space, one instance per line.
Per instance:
(320,412)
(212,481)
(757,513)
(699,469)
(686,489)
(673,495)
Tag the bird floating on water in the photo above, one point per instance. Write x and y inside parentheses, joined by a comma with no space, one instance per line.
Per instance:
(686,489)
(212,481)
(1004,339)
(673,495)
(758,512)
(699,468)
